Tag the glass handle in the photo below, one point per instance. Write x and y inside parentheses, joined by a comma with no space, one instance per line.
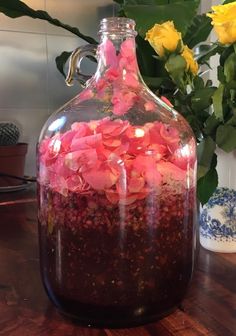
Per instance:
(75,61)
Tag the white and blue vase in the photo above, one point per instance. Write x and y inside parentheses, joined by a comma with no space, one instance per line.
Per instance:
(218,215)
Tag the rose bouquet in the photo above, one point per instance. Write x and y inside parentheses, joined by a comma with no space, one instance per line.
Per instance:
(171,49)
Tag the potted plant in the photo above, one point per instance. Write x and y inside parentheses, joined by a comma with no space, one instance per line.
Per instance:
(12,155)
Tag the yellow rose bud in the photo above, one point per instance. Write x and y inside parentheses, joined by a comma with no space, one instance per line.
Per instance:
(192,65)
(224,22)
(163,36)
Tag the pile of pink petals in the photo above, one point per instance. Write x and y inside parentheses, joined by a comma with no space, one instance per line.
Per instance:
(113,157)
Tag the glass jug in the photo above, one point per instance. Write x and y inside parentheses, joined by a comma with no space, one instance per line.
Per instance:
(116,193)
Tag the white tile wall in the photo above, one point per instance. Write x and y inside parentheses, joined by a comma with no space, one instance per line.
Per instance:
(31,87)
(86,13)
(25,24)
(215,59)
(23,71)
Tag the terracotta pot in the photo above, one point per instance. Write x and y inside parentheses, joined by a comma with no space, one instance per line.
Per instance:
(12,162)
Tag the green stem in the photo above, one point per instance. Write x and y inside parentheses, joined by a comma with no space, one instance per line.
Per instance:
(234,45)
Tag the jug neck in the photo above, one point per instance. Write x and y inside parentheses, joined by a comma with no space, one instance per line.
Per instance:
(117,50)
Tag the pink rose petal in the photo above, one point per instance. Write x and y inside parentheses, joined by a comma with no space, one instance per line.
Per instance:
(128,48)
(112,74)
(100,179)
(169,170)
(85,95)
(165,100)
(66,140)
(86,142)
(136,184)
(131,80)
(150,106)
(109,51)
(123,100)
(169,134)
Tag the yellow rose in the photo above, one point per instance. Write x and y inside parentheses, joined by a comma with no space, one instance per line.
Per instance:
(163,36)
(224,22)
(192,65)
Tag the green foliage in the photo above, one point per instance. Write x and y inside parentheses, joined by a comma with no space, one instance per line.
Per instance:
(211,125)
(206,51)
(120,2)
(61,61)
(147,63)
(208,183)
(202,98)
(218,102)
(205,151)
(175,66)
(226,137)
(230,68)
(181,12)
(198,31)
(228,1)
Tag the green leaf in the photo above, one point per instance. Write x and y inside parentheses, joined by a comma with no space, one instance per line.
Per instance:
(147,64)
(153,82)
(194,123)
(120,2)
(211,125)
(231,85)
(228,1)
(150,2)
(202,98)
(146,16)
(176,66)
(198,31)
(17,8)
(63,58)
(230,68)
(232,121)
(207,185)
(145,2)
(205,152)
(225,53)
(226,137)
(205,51)
(198,83)
(214,161)
(221,75)
(209,83)
(61,61)
(218,102)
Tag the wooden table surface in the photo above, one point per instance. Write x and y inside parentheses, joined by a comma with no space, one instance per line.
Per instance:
(208,309)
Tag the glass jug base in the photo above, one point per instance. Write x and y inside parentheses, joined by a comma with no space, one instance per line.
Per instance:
(111,317)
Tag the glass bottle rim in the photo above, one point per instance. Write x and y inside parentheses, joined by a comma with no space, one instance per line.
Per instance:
(117,25)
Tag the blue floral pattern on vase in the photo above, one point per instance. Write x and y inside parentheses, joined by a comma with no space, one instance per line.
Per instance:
(218,218)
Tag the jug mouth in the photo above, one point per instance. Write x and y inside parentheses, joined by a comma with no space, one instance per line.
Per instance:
(118,25)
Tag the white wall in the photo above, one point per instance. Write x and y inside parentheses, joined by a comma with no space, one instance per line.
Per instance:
(31,87)
(215,59)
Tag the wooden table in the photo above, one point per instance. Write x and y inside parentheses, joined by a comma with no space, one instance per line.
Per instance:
(209,307)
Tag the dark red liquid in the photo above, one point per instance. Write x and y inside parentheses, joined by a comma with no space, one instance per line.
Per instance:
(111,265)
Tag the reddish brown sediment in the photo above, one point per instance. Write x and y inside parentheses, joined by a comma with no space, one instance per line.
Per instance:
(116,256)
